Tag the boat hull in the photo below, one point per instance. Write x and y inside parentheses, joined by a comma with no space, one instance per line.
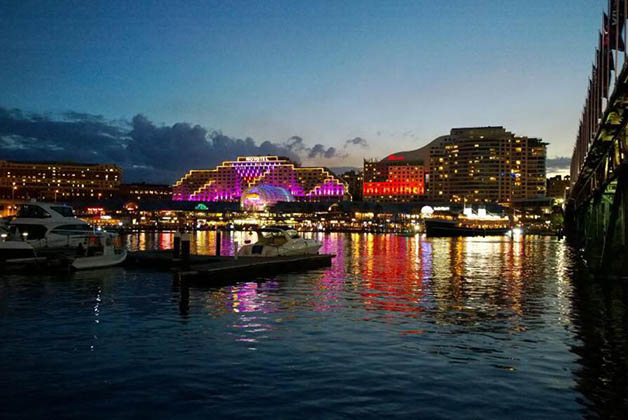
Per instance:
(307,247)
(99,261)
(448,228)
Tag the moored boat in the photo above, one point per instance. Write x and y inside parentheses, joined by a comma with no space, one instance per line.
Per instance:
(440,227)
(468,223)
(49,233)
(279,241)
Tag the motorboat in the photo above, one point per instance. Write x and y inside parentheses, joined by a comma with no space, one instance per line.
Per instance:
(47,232)
(279,241)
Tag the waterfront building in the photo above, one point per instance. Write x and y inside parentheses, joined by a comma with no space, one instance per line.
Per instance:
(229,179)
(487,165)
(557,186)
(58,181)
(143,191)
(355,183)
(259,197)
(393,180)
(399,177)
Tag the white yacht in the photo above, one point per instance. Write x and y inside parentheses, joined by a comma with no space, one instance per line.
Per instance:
(278,241)
(50,231)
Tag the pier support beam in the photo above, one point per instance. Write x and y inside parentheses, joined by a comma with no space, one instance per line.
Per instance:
(602,225)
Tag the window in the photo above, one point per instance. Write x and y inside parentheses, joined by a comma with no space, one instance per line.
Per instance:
(64,211)
(32,231)
(71,229)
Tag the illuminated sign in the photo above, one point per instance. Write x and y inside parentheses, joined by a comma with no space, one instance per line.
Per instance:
(394,188)
(257,159)
(200,206)
(393,157)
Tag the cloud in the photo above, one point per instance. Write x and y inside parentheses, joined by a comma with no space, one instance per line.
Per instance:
(320,151)
(145,151)
(357,141)
(297,145)
(558,163)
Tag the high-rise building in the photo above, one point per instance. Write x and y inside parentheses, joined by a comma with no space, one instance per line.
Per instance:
(354,181)
(229,179)
(58,181)
(557,186)
(487,164)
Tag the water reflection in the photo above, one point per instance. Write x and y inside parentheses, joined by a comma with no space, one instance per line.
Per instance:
(601,323)
(508,305)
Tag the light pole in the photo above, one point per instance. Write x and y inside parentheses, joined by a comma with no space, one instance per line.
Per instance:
(13,191)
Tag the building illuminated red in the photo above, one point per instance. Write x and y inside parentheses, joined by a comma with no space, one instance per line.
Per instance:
(394,179)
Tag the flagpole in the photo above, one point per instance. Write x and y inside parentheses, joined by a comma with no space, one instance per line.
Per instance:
(623,18)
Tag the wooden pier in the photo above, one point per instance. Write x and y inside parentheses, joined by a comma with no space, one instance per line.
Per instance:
(210,269)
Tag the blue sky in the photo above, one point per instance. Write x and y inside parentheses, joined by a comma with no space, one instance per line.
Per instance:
(395,73)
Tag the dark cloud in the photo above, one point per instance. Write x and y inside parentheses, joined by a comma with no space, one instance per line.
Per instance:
(320,151)
(297,145)
(558,163)
(357,141)
(146,152)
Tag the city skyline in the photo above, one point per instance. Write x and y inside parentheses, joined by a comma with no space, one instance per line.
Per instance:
(318,76)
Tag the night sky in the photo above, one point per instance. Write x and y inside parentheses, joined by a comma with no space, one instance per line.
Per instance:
(161,87)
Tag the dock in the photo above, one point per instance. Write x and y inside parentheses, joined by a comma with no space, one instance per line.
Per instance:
(210,269)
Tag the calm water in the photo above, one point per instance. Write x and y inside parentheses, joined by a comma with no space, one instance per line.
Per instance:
(428,328)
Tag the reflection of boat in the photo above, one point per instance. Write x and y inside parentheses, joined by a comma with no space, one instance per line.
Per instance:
(49,232)
(275,241)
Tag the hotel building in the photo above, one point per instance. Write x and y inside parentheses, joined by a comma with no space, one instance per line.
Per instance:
(143,191)
(487,165)
(394,180)
(58,181)
(227,181)
(400,177)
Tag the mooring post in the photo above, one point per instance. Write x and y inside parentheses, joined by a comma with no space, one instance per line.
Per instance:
(217,242)
(177,244)
(185,246)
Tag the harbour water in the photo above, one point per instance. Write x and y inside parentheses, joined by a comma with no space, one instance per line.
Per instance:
(398,326)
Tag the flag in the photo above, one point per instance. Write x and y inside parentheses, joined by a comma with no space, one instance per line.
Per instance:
(614,24)
(607,62)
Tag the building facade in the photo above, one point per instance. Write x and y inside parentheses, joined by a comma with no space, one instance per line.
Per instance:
(58,181)
(143,191)
(227,181)
(394,179)
(487,165)
(557,186)
(355,183)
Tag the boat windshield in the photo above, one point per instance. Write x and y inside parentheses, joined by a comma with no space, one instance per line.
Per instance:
(293,234)
(29,211)
(64,211)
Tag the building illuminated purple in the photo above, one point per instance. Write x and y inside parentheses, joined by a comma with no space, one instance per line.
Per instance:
(228,180)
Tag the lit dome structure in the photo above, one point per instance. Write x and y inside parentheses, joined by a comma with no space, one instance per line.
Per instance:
(258,198)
